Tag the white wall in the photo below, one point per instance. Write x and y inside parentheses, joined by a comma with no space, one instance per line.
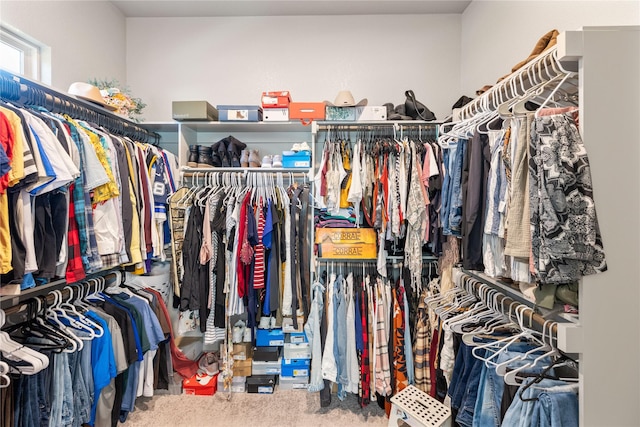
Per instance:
(232,60)
(87,38)
(496,35)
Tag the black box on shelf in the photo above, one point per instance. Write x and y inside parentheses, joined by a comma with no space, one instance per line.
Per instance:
(266,354)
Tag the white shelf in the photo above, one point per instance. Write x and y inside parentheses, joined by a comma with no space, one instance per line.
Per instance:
(246,126)
(187,169)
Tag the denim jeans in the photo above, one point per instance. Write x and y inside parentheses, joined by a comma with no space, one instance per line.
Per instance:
(455,210)
(81,402)
(554,405)
(61,392)
(557,409)
(447,155)
(312,330)
(491,387)
(340,331)
(470,389)
(467,368)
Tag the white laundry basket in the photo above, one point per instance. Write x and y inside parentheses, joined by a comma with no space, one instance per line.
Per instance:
(416,408)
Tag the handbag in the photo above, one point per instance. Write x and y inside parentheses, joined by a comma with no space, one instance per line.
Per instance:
(416,109)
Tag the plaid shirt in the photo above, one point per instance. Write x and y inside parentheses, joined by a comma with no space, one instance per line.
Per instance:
(75,270)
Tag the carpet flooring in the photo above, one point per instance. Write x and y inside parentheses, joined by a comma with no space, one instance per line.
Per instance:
(295,408)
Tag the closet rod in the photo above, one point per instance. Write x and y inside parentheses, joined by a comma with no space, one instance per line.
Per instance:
(542,68)
(531,318)
(32,93)
(377,126)
(202,173)
(19,310)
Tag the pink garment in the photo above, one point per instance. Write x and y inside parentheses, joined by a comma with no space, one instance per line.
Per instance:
(258,272)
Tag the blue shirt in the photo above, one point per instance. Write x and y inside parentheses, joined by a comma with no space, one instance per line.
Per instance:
(103,361)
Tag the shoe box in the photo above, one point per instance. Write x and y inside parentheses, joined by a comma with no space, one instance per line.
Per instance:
(243,368)
(240,113)
(266,354)
(272,367)
(238,384)
(269,337)
(200,385)
(263,384)
(295,367)
(193,111)
(242,351)
(293,383)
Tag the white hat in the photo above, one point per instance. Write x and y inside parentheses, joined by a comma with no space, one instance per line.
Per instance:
(89,93)
(345,99)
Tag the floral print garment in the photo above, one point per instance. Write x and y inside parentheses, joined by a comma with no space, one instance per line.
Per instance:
(566,241)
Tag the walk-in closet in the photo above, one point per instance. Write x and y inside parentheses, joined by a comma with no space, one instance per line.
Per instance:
(296,213)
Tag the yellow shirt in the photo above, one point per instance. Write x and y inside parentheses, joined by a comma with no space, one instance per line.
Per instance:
(17,162)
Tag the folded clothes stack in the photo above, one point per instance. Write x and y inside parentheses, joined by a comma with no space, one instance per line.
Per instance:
(345,219)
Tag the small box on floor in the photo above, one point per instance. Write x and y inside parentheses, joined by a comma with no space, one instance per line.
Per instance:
(266,368)
(242,351)
(242,368)
(293,383)
(295,367)
(240,113)
(264,384)
(266,354)
(238,384)
(200,385)
(269,337)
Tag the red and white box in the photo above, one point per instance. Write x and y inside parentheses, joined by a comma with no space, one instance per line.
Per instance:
(200,385)
(278,99)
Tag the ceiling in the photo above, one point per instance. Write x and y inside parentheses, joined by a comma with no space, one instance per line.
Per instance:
(204,8)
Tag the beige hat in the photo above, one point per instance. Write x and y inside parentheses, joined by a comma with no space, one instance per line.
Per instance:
(345,99)
(89,93)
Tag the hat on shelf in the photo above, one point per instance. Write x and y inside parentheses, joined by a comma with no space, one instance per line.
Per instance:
(345,99)
(89,93)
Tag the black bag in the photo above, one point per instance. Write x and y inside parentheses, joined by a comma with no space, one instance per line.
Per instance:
(416,109)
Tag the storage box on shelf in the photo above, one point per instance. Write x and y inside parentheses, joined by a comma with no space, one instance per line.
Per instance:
(238,384)
(240,113)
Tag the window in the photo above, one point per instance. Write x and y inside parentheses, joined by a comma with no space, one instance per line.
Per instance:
(19,55)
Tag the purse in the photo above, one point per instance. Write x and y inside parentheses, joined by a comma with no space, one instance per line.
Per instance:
(416,109)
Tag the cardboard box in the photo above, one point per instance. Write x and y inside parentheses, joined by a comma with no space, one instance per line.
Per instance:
(242,351)
(240,113)
(293,383)
(340,113)
(297,351)
(266,368)
(264,384)
(200,385)
(242,368)
(275,115)
(301,159)
(307,112)
(295,367)
(193,111)
(346,243)
(269,337)
(266,354)
(277,99)
(371,113)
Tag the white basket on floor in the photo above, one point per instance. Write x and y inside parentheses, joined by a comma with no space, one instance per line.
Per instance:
(416,408)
